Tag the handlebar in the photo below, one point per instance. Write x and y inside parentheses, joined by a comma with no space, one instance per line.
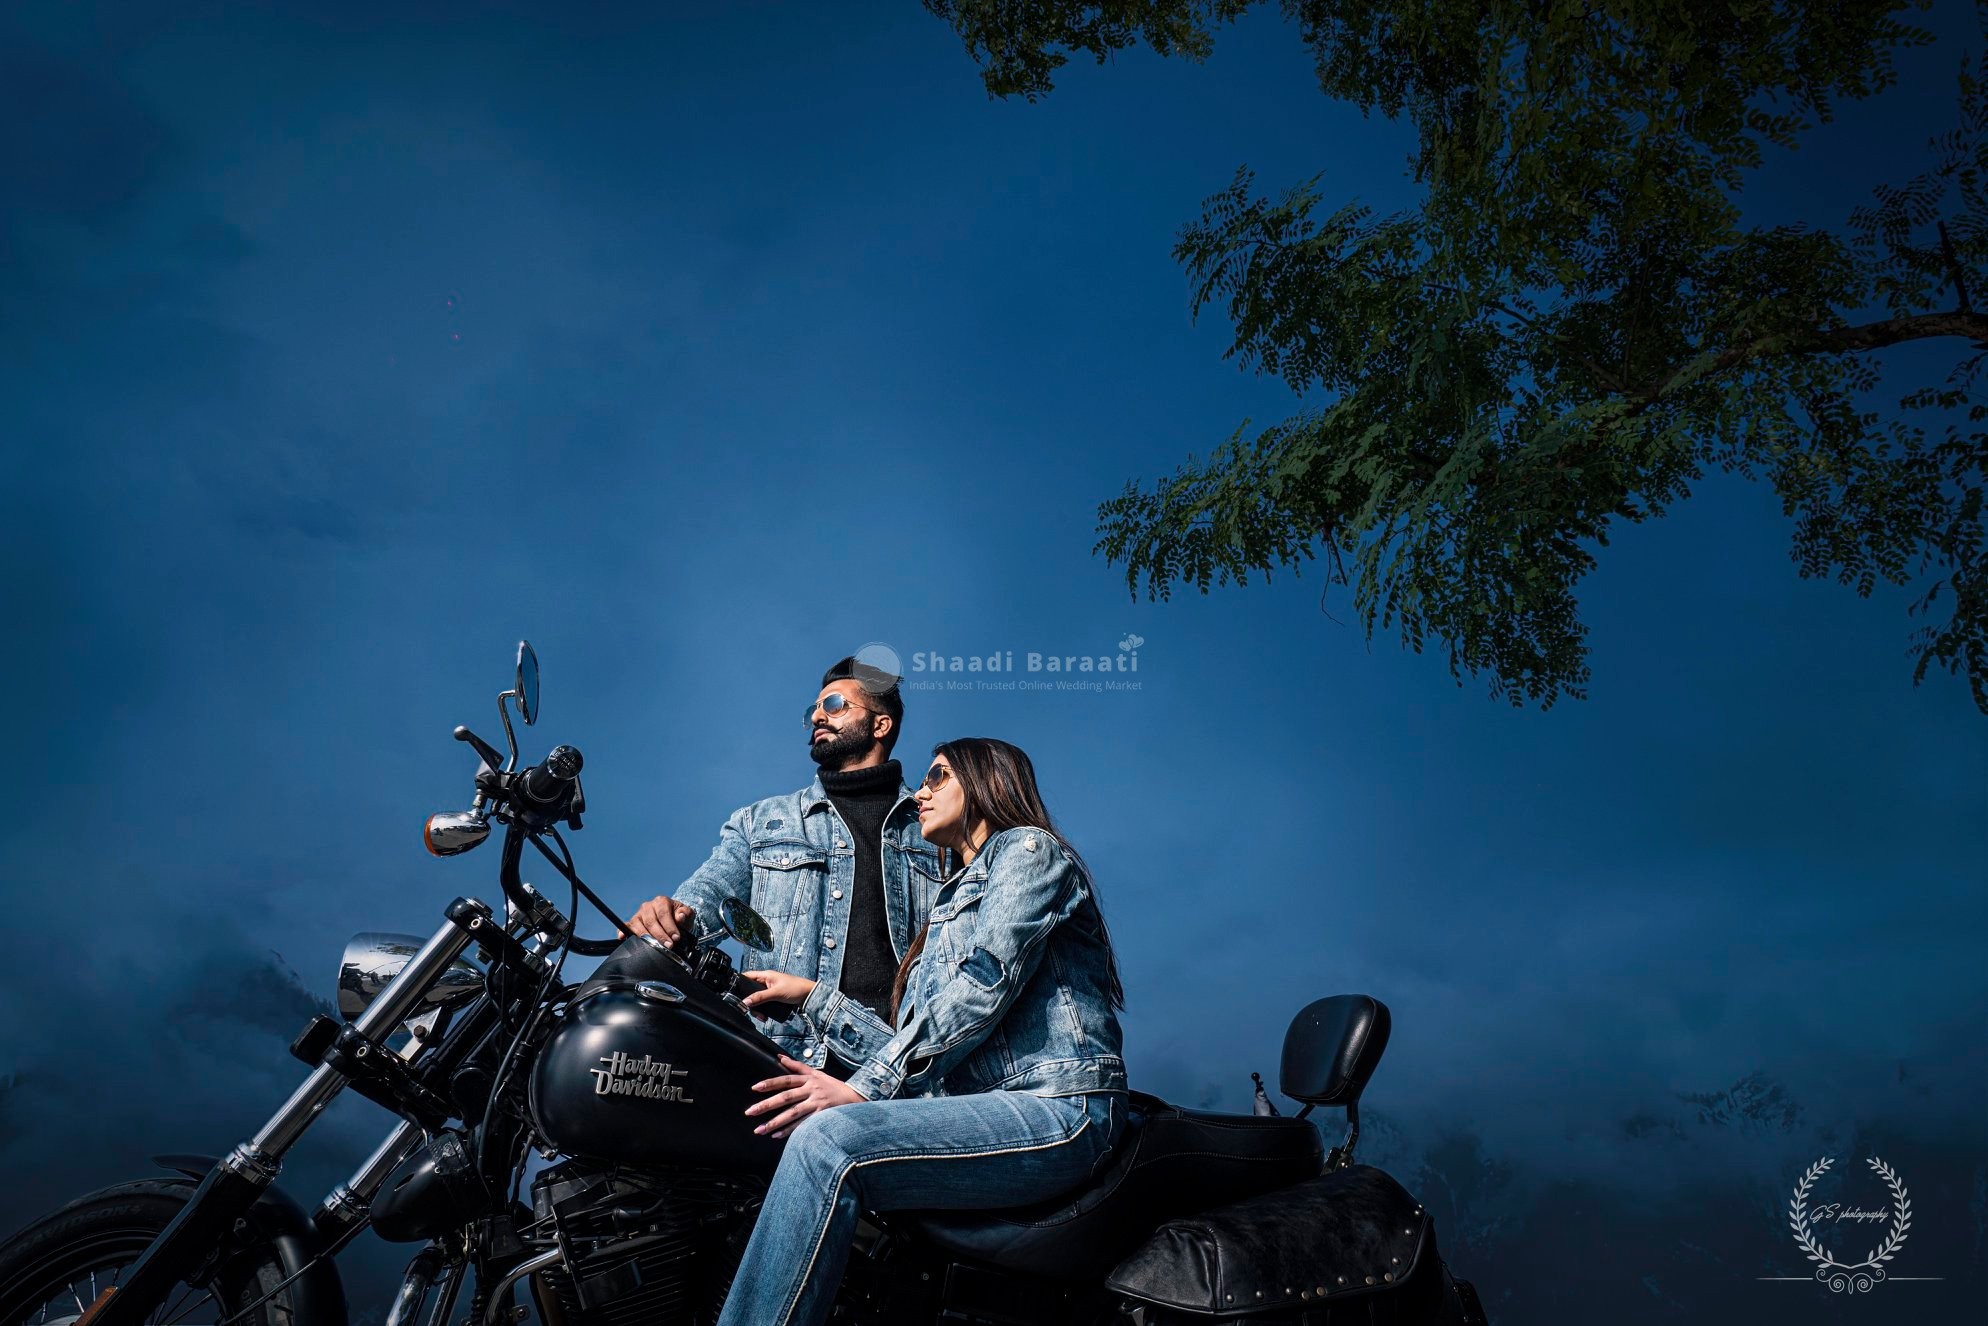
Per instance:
(508,878)
(548,782)
(529,803)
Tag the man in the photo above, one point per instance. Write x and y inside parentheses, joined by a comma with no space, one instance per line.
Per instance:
(838,870)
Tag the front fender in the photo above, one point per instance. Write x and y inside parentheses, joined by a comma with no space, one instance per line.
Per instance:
(315,1290)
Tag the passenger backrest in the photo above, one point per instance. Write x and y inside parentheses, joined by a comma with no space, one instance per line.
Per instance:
(1332,1049)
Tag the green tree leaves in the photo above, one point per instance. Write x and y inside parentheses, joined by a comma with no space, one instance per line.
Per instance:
(1576,322)
(1020,46)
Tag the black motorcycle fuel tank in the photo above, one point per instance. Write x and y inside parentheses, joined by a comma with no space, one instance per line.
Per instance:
(648,1067)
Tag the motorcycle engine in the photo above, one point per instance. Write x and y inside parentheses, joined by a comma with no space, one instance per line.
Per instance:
(642,1249)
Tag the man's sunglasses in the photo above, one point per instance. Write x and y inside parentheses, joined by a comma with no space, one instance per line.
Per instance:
(833,703)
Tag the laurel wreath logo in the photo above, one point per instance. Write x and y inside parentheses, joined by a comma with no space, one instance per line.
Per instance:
(1850,1277)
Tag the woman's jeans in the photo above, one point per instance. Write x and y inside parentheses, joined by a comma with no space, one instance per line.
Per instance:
(990,1149)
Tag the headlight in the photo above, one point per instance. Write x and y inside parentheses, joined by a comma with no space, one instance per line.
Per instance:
(374,958)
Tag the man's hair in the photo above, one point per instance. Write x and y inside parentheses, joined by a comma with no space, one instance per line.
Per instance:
(879,685)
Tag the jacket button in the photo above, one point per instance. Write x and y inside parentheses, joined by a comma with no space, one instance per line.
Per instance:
(835,893)
(828,943)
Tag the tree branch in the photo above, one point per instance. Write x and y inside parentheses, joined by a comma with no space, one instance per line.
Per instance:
(1829,340)
(1821,340)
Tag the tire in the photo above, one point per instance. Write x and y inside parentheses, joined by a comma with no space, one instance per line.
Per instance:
(51,1271)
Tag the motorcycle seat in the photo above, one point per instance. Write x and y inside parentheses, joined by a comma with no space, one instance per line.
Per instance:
(1169,1162)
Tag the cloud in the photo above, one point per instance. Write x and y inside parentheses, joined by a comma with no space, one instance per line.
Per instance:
(81,145)
(180,1047)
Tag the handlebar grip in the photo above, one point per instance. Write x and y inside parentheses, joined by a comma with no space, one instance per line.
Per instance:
(546,783)
(743,985)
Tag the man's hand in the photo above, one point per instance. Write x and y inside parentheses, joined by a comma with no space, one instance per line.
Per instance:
(781,988)
(798,1095)
(663,918)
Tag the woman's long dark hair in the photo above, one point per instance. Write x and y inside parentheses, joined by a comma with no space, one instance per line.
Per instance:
(998,784)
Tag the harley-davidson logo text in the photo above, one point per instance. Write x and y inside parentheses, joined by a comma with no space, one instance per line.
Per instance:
(642,1077)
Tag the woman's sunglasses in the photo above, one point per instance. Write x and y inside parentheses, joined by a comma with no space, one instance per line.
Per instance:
(936,777)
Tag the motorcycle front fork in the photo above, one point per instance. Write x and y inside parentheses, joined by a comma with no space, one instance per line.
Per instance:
(235,1184)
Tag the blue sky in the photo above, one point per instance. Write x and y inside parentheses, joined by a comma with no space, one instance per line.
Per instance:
(342,353)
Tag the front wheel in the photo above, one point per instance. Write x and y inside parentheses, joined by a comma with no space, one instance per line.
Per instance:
(52,1271)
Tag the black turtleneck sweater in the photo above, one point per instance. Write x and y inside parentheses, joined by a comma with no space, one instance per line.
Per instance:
(864,797)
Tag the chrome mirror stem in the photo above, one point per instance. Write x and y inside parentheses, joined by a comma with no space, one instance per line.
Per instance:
(510,734)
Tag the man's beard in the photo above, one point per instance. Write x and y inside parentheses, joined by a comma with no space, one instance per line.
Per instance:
(841,749)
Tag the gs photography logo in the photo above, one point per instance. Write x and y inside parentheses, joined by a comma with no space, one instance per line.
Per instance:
(1886,1224)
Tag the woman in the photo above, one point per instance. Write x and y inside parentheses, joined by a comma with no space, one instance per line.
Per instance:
(1001,1082)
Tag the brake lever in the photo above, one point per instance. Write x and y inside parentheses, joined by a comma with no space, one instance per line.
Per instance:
(484,749)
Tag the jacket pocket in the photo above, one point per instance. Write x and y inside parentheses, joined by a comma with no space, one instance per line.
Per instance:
(954,905)
(921,885)
(953,923)
(786,878)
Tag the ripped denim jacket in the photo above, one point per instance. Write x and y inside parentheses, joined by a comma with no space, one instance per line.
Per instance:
(1012,990)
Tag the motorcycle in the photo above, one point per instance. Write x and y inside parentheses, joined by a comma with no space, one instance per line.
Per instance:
(630,1085)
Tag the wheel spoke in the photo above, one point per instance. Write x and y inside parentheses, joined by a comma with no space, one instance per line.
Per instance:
(165,1306)
(176,1307)
(85,1263)
(207,1297)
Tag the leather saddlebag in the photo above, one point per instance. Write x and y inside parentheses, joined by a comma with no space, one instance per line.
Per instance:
(1350,1246)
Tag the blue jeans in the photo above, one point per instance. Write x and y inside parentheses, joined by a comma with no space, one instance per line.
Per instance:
(990,1149)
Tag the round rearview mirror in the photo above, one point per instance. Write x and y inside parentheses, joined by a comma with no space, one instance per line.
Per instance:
(742,923)
(527,682)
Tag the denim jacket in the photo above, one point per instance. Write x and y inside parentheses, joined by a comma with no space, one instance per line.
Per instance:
(790,857)
(1012,991)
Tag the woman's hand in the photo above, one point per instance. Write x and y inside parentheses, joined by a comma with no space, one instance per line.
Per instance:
(799,1094)
(781,988)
